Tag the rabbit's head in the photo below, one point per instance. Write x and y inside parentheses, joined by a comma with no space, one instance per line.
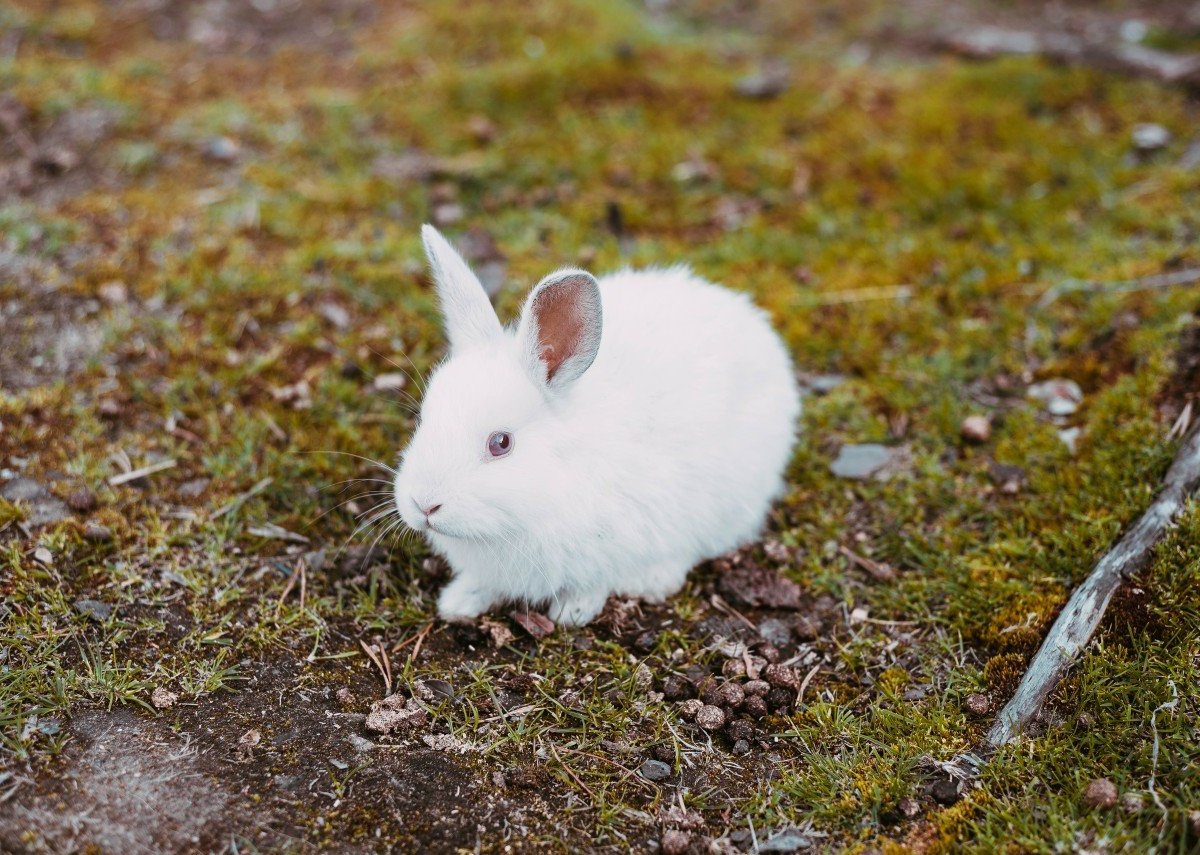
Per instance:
(486,444)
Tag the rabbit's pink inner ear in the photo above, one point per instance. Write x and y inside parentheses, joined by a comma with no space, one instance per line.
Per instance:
(566,315)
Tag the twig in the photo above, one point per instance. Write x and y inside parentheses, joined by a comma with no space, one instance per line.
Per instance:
(1191,276)
(1079,619)
(1167,705)
(237,501)
(569,771)
(291,583)
(858,295)
(133,475)
(1136,60)
(879,572)
(369,649)
(804,683)
(1120,286)
(628,772)
(412,657)
(722,606)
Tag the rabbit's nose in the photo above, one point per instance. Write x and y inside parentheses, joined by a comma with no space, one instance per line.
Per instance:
(428,510)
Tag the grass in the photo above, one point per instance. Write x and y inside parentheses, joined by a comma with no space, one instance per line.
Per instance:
(978,186)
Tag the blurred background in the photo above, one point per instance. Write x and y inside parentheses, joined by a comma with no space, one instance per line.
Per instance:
(974,223)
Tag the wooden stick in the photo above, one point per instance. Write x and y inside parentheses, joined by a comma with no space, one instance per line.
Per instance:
(126,477)
(1078,621)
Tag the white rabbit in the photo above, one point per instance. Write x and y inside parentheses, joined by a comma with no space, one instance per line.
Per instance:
(623,431)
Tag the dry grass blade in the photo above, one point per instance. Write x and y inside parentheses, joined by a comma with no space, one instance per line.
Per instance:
(135,474)
(384,671)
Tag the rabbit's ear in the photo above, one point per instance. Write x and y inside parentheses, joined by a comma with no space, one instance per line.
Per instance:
(560,326)
(470,319)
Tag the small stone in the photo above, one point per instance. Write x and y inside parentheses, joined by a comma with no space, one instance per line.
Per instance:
(689,709)
(481,128)
(734,669)
(859,462)
(439,689)
(769,653)
(1060,397)
(775,632)
(447,213)
(114,292)
(710,717)
(163,698)
(390,382)
(732,695)
(858,615)
(23,490)
(782,676)
(221,149)
(643,678)
(1085,721)
(777,552)
(1194,822)
(1007,477)
(360,744)
(1150,137)
(674,842)
(248,741)
(780,699)
(908,807)
(823,384)
(741,747)
(976,429)
(755,706)
(108,408)
(977,704)
(739,728)
(396,713)
(1132,802)
(770,82)
(1069,437)
(193,488)
(335,314)
(806,629)
(96,533)
(945,792)
(499,634)
(345,697)
(655,770)
(676,688)
(94,609)
(56,159)
(42,555)
(1100,793)
(757,688)
(534,623)
(81,500)
(787,840)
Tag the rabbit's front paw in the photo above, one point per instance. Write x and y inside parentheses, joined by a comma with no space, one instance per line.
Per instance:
(462,601)
(578,608)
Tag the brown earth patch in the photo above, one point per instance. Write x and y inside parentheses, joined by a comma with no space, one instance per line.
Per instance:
(250,27)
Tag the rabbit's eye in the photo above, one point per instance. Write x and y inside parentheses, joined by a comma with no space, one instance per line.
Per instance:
(499,443)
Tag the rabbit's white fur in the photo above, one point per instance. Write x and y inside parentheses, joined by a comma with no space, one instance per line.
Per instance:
(665,451)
